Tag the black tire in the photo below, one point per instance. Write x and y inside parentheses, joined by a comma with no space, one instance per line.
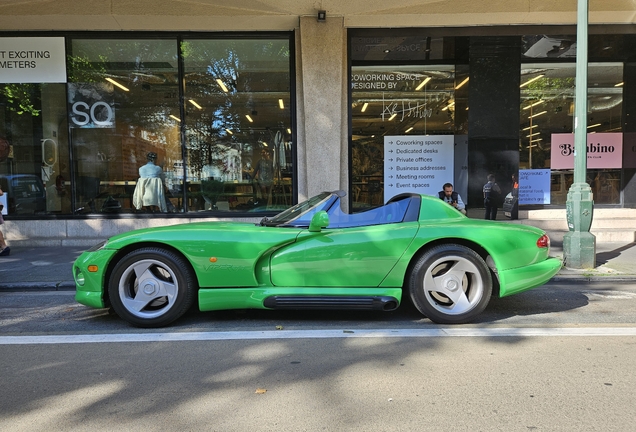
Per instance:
(151,287)
(450,284)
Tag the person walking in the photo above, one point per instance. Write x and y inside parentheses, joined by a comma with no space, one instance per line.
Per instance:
(492,197)
(4,249)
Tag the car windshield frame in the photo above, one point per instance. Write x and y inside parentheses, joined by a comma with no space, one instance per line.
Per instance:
(300,215)
(401,208)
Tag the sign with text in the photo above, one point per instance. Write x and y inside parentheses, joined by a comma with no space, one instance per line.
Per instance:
(418,163)
(395,48)
(32,60)
(92,105)
(534,186)
(604,150)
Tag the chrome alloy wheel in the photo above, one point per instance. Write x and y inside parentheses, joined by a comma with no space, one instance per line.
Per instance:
(450,284)
(453,285)
(148,288)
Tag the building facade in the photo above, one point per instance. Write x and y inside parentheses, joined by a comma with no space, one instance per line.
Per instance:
(247,109)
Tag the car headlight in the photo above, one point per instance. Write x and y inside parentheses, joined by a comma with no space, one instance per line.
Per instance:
(79,277)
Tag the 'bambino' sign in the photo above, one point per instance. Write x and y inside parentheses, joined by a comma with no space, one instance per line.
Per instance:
(604,150)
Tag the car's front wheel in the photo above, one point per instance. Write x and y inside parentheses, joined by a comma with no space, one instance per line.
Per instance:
(151,287)
(450,284)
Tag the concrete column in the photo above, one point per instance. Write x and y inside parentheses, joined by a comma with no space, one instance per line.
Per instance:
(322,115)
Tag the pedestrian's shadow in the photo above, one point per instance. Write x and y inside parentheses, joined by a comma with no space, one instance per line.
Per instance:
(605,257)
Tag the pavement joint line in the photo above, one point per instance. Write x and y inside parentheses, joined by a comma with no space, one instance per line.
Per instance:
(320,334)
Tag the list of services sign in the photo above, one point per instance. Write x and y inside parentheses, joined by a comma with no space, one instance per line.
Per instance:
(419,163)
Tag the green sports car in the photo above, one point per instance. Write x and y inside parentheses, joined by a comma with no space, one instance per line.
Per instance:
(315,256)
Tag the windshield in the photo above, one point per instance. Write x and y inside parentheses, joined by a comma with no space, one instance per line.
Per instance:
(300,215)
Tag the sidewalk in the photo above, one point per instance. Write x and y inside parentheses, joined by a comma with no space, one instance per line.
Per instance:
(50,268)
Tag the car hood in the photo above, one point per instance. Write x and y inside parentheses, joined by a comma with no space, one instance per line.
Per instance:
(200,231)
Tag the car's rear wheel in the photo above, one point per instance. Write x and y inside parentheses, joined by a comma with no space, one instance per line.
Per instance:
(450,284)
(151,287)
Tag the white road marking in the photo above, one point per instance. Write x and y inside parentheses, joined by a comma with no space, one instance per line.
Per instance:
(318,334)
(616,295)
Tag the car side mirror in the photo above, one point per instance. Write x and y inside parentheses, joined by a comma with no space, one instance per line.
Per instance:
(319,221)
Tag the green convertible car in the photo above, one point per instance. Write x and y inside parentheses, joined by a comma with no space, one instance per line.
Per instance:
(315,256)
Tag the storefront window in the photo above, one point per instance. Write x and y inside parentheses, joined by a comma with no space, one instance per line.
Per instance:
(33,149)
(546,128)
(123,114)
(406,101)
(238,124)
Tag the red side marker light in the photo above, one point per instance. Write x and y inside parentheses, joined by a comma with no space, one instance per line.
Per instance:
(544,241)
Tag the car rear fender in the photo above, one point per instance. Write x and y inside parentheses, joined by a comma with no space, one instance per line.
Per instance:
(401,271)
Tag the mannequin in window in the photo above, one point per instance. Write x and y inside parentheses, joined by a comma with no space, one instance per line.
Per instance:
(149,191)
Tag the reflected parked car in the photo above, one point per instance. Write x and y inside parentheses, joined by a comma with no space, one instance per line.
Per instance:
(25,193)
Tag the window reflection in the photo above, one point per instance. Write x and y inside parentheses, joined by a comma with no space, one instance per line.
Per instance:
(547,108)
(34,149)
(398,100)
(123,105)
(238,124)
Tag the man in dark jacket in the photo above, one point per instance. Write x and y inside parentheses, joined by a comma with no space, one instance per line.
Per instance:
(452,198)
(492,197)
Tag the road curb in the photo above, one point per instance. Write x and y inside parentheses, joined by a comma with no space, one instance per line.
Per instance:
(596,278)
(37,286)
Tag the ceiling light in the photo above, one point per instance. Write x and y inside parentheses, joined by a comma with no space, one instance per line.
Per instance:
(534,134)
(176,118)
(281,104)
(364,107)
(249,118)
(423,83)
(619,84)
(392,117)
(537,114)
(222,85)
(594,125)
(531,80)
(195,104)
(289,131)
(448,106)
(112,81)
(229,131)
(462,83)
(534,104)
(408,130)
(530,127)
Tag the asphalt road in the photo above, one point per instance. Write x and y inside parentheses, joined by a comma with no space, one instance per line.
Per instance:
(529,363)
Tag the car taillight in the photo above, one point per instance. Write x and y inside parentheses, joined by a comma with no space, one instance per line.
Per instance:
(544,241)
